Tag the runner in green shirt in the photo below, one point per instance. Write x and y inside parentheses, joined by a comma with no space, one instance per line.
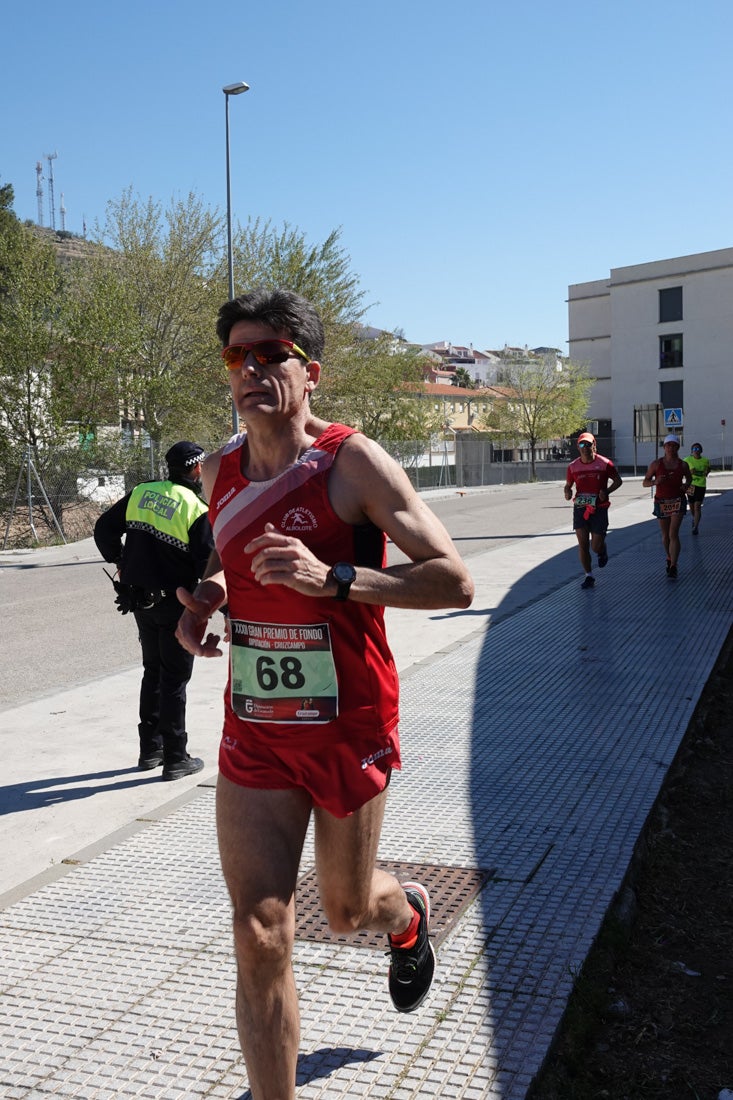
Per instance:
(699,468)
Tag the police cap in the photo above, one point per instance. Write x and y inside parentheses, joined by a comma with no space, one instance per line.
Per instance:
(184,454)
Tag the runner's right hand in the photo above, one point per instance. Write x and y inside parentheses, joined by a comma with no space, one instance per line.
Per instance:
(192,626)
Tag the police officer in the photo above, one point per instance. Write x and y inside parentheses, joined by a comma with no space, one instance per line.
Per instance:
(167,542)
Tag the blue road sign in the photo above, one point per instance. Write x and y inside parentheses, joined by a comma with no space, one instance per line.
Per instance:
(672,419)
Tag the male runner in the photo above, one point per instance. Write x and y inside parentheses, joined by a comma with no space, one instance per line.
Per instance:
(300,510)
(595,478)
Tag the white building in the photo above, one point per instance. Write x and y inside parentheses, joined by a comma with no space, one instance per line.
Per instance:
(482,366)
(659,333)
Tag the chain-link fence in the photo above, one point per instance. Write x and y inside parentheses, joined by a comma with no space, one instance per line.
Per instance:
(470,461)
(55,495)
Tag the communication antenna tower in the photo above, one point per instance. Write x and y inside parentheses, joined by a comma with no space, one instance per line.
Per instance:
(39,190)
(51,157)
(62,211)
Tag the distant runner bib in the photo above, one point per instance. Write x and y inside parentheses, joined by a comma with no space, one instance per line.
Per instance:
(282,672)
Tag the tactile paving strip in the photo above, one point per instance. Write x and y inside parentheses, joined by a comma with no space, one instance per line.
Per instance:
(451,889)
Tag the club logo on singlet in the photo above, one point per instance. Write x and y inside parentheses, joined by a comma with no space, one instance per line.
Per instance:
(298,520)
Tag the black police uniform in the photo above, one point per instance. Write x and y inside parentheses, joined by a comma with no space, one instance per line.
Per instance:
(167,542)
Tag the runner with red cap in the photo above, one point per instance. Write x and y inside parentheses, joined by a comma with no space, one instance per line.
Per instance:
(595,478)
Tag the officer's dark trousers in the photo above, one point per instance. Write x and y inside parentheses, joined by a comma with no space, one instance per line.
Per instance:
(167,670)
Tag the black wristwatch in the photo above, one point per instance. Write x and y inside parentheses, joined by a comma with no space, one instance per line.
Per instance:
(344,575)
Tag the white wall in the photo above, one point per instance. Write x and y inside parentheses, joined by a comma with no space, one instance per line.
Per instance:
(614,326)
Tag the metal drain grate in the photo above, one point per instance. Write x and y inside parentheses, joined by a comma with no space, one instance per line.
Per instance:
(452,889)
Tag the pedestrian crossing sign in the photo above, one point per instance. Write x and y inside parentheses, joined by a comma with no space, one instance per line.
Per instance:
(672,419)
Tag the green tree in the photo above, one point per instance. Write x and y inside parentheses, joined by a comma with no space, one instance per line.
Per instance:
(165,272)
(463,378)
(544,399)
(377,386)
(100,334)
(166,284)
(8,219)
(30,319)
(267,256)
(126,334)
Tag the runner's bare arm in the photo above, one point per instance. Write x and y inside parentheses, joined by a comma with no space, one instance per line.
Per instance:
(435,576)
(366,484)
(198,606)
(611,488)
(687,475)
(650,476)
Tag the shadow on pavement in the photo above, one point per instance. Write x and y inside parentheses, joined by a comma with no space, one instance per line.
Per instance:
(322,1063)
(569,743)
(36,793)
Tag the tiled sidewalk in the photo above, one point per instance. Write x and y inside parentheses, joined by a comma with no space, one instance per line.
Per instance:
(534,750)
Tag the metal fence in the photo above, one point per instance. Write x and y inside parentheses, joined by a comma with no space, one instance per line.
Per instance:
(56,496)
(467,461)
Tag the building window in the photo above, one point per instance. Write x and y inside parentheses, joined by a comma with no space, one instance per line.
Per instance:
(670,304)
(670,351)
(670,395)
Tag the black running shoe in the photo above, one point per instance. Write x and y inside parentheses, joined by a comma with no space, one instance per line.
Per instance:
(669,566)
(588,582)
(412,968)
(603,558)
(672,571)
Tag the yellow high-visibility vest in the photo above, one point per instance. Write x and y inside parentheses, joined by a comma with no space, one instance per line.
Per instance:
(165,510)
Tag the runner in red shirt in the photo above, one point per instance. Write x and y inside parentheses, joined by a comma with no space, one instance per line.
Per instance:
(671,478)
(595,478)
(301,510)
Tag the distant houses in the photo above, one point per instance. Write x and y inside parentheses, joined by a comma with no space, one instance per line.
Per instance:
(485,368)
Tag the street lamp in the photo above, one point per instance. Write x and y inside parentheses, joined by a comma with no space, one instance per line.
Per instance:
(231,89)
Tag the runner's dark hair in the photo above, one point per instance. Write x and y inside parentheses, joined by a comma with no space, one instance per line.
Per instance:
(283,311)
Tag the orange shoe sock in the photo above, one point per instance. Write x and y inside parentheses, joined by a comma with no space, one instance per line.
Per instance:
(408,938)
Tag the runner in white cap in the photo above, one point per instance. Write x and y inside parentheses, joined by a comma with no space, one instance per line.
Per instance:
(671,478)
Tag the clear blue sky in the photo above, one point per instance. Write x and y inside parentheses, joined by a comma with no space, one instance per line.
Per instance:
(478,156)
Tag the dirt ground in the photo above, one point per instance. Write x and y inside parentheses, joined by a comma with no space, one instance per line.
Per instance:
(77,519)
(651,1017)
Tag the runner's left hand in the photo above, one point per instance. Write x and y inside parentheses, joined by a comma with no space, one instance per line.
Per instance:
(281,559)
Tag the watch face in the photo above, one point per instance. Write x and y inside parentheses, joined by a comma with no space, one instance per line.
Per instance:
(344,573)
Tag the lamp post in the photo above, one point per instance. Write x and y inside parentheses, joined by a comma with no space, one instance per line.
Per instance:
(231,89)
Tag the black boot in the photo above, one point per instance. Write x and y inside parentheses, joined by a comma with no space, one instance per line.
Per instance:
(147,761)
(182,768)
